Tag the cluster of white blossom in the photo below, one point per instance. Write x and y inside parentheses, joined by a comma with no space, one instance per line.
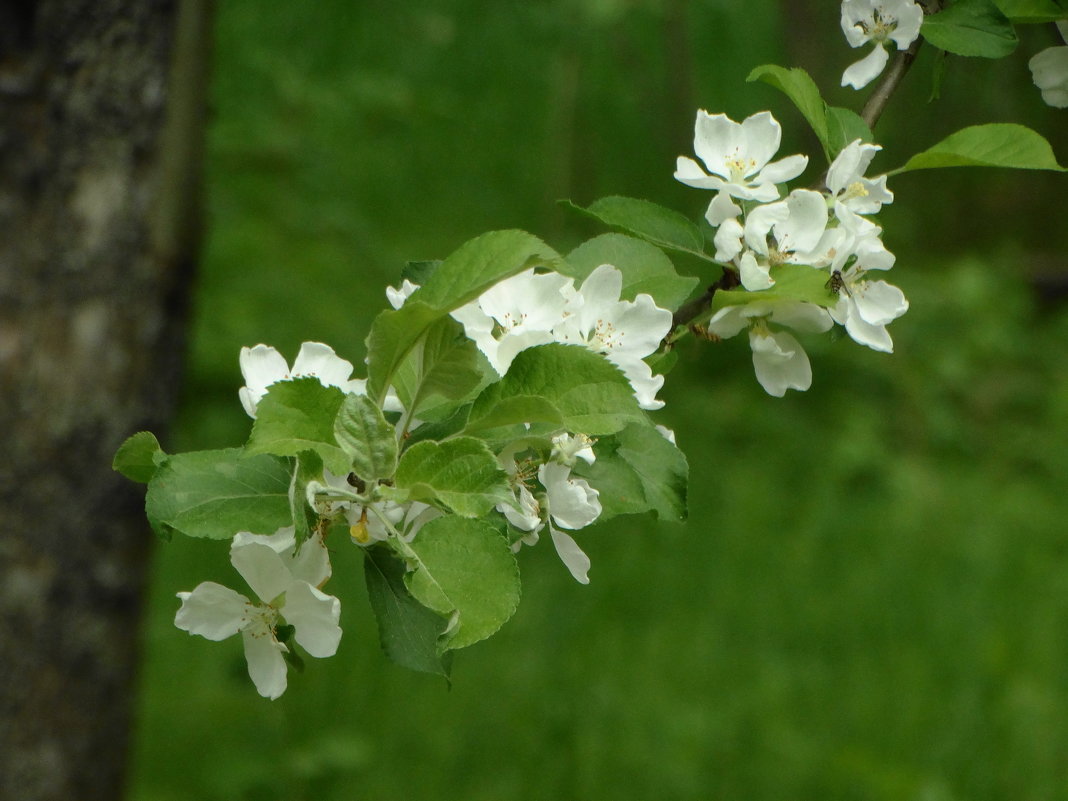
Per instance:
(533,308)
(287,583)
(882,23)
(757,230)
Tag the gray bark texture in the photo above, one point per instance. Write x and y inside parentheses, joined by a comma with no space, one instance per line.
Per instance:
(100,123)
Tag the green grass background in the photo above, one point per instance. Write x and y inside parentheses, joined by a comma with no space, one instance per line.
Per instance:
(870,600)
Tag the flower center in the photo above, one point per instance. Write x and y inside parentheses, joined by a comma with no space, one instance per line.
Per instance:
(605,337)
(881,26)
(854,190)
(739,167)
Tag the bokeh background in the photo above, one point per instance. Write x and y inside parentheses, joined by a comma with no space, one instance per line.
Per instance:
(870,600)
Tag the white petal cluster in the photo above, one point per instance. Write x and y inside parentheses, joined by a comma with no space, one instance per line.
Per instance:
(880,23)
(262,366)
(566,502)
(532,308)
(1049,69)
(286,582)
(738,159)
(757,232)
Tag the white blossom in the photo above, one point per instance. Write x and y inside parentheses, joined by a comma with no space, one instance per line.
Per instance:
(573,504)
(515,314)
(738,157)
(788,231)
(779,361)
(849,188)
(623,331)
(1049,69)
(877,22)
(262,366)
(568,502)
(396,297)
(568,448)
(286,582)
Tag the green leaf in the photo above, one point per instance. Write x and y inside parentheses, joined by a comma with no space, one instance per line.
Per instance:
(645,268)
(309,467)
(215,494)
(844,127)
(139,457)
(561,385)
(464,568)
(368,440)
(443,365)
(1032,10)
(407,630)
(797,85)
(296,416)
(462,473)
(971,28)
(792,282)
(999,144)
(638,470)
(653,223)
(419,272)
(462,277)
(835,127)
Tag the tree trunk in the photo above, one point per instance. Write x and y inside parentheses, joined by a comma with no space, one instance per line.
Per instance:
(100,131)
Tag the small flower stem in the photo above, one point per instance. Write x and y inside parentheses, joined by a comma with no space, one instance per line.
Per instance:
(876,104)
(693,309)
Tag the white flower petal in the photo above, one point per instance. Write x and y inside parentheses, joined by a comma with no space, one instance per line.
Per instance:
(754,275)
(263,568)
(573,557)
(878,302)
(728,322)
(528,516)
(316,360)
(213,611)
(314,615)
(783,170)
(312,562)
(780,362)
(861,73)
(396,297)
(761,135)
(573,503)
(266,665)
(261,366)
(1049,69)
(721,209)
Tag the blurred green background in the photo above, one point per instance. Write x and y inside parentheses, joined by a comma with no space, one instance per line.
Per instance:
(870,600)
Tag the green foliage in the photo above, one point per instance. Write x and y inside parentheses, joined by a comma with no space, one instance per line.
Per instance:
(296,416)
(834,127)
(1032,10)
(309,468)
(993,145)
(462,474)
(638,470)
(139,457)
(971,28)
(792,282)
(561,386)
(443,366)
(367,438)
(464,569)
(462,277)
(648,221)
(215,494)
(408,631)
(645,268)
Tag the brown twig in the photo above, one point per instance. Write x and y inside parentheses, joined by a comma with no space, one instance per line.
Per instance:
(691,310)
